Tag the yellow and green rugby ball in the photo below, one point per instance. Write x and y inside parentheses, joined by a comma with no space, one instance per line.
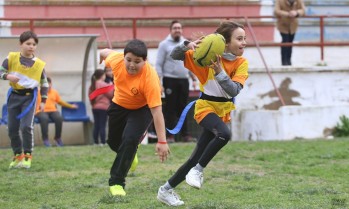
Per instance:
(208,48)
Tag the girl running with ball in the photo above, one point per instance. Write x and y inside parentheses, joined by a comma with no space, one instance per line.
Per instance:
(220,82)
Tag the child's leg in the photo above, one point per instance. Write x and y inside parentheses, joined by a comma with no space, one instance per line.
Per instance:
(136,124)
(14,109)
(43,117)
(116,122)
(58,120)
(103,123)
(100,121)
(96,125)
(27,126)
(204,140)
(222,136)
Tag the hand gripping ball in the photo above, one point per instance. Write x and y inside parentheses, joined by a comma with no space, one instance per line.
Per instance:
(208,48)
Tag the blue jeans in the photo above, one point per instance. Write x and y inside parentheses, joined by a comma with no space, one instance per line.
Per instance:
(286,51)
(100,122)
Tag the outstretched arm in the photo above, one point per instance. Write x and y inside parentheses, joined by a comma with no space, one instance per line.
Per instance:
(178,53)
(162,148)
(67,105)
(104,54)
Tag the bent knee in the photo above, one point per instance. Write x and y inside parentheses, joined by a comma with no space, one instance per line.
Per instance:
(224,135)
(113,146)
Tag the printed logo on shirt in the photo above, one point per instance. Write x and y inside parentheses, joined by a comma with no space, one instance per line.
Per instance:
(134,91)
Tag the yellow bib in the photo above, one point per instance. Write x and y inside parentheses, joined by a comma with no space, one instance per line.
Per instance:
(204,107)
(29,77)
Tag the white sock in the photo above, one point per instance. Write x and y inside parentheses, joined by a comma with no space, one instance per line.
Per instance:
(167,186)
(198,167)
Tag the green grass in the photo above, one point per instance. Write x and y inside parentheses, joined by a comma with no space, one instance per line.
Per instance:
(290,174)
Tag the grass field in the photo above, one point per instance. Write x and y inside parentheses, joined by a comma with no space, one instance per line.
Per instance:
(291,174)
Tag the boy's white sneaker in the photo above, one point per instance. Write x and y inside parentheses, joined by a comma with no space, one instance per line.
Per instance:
(169,197)
(194,178)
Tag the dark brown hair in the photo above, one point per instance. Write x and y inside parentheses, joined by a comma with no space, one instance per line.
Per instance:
(227,28)
(174,22)
(136,47)
(96,75)
(28,35)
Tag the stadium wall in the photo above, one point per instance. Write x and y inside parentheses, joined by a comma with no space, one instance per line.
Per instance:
(315,99)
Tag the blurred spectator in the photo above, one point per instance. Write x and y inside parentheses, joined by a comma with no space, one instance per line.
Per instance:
(175,81)
(50,112)
(287,13)
(103,93)
(108,75)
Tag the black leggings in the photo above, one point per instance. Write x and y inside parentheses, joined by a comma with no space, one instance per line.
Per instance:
(215,135)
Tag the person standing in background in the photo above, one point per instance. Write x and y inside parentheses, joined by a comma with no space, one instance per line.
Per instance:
(100,104)
(108,75)
(287,13)
(175,81)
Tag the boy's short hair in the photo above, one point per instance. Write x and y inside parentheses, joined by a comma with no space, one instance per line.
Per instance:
(49,80)
(28,35)
(136,47)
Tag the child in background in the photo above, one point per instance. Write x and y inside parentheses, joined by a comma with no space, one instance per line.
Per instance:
(100,104)
(50,112)
(108,75)
(25,73)
(137,98)
(219,84)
